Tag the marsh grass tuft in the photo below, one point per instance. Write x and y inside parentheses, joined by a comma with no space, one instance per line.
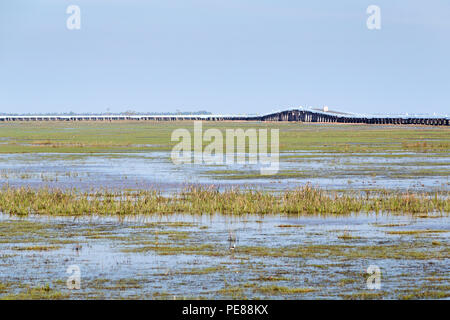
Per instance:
(347,236)
(274,289)
(413,232)
(37,248)
(209,200)
(37,293)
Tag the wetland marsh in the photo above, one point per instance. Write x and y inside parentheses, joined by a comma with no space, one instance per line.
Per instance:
(133,155)
(107,197)
(191,257)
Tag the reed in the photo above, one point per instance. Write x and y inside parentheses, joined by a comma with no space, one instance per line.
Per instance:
(209,200)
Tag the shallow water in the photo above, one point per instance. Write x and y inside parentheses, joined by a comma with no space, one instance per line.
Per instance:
(185,256)
(425,172)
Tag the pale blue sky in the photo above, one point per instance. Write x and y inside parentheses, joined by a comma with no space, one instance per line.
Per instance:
(233,56)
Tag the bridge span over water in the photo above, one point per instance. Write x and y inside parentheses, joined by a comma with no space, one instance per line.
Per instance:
(293,115)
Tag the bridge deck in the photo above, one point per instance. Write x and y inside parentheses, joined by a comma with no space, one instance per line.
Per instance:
(298,115)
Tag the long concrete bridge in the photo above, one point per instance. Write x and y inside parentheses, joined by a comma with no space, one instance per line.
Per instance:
(325,116)
(294,115)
